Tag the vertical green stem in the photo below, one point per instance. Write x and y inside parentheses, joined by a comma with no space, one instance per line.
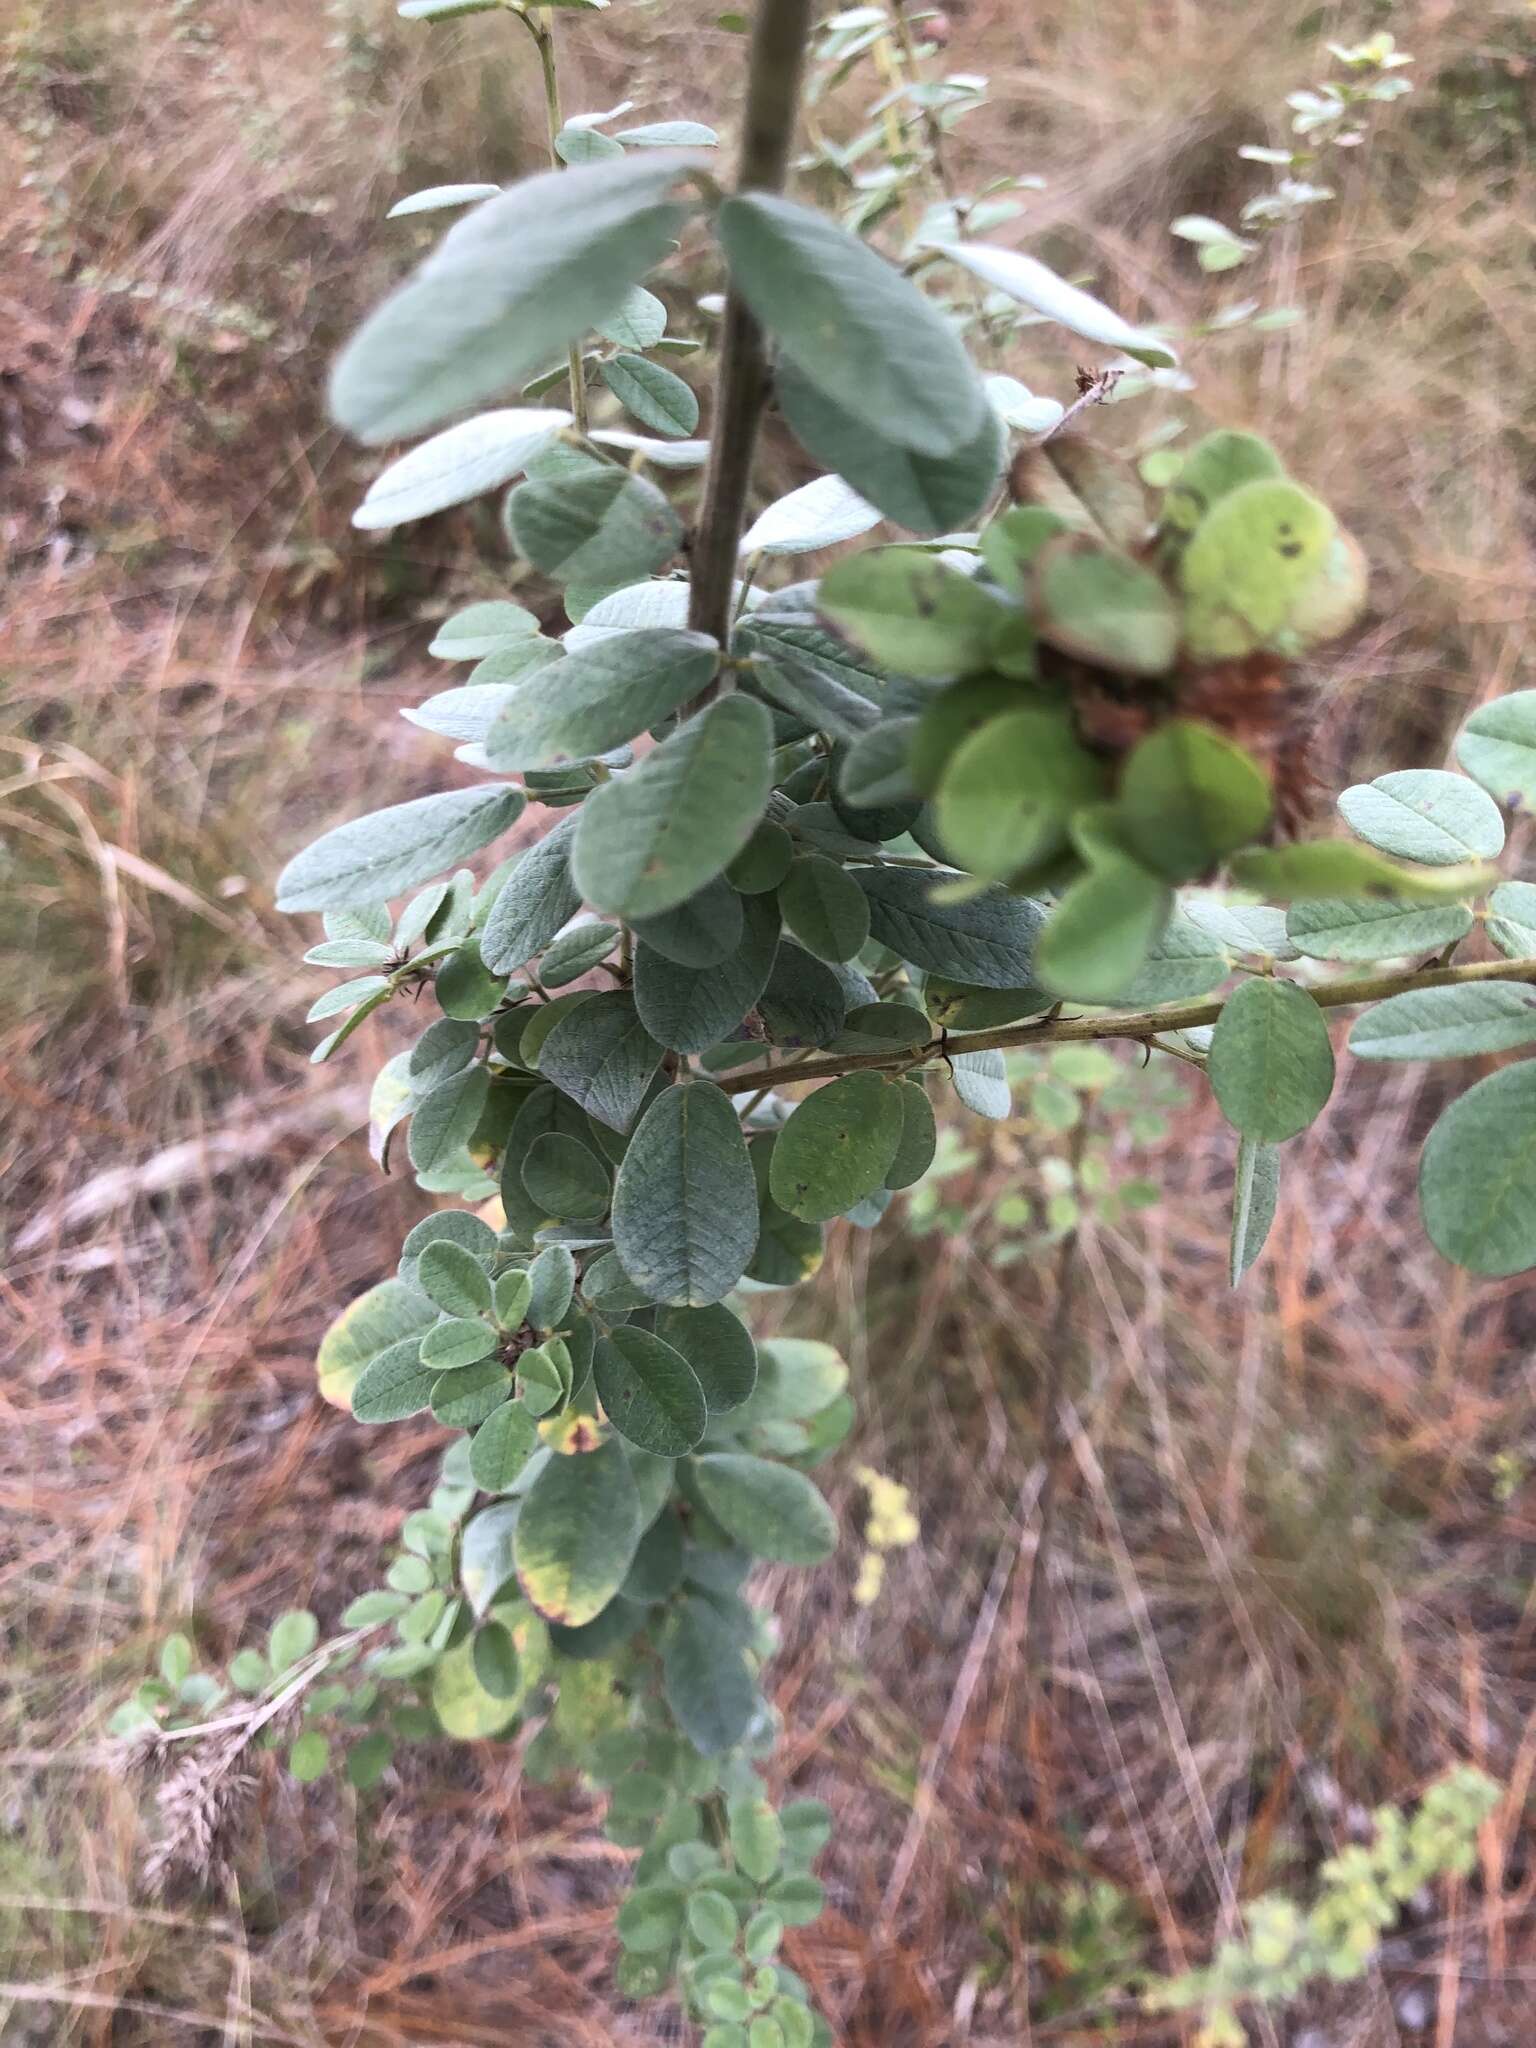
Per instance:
(541,28)
(779,37)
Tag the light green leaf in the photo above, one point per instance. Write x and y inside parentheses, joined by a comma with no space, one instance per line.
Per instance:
(293,1636)
(649,1392)
(1188,797)
(911,612)
(768,1509)
(1374,929)
(1426,815)
(713,1697)
(1099,936)
(988,940)
(651,838)
(466,1398)
(434,197)
(825,908)
(1181,962)
(457,1341)
(1009,789)
(552,1282)
(482,629)
(507,289)
(577,951)
(386,1315)
(1477,1176)
(1447,1023)
(638,322)
(806,672)
(852,324)
(685,1203)
(309,1757)
(1497,746)
(389,851)
(602,1056)
(658,399)
(670,135)
(1512,919)
(601,697)
(981,1081)
(502,1446)
(446,1120)
(837,1147)
(1255,1193)
(461,463)
(817,515)
(927,494)
(536,899)
(577,1533)
(1337,867)
(394,1384)
(1032,284)
(454,1278)
(1271,1062)
(1095,602)
(599,526)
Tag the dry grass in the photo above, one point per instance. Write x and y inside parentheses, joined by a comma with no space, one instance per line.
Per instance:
(1299,1528)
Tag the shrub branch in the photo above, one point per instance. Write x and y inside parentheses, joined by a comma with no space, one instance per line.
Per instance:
(1142,1026)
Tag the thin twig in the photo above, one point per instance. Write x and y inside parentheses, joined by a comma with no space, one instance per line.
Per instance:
(1140,1026)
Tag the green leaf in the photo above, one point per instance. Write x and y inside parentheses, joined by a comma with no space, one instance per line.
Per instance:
(1337,867)
(652,837)
(293,1636)
(1374,930)
(485,1554)
(600,698)
(466,1398)
(876,768)
(455,1342)
(386,1315)
(1497,747)
(763,862)
(911,612)
(919,1137)
(809,674)
(309,1757)
(639,321)
(981,1082)
(435,197)
(1447,1023)
(446,1120)
(389,851)
(577,1534)
(852,325)
(685,1204)
(988,940)
(1477,1176)
(553,1282)
(757,1841)
(651,1918)
(1255,1193)
(502,1446)
(454,1278)
(1426,815)
(496,1661)
(462,462)
(602,1056)
(656,397)
(1099,935)
(718,1347)
(1009,790)
(712,1919)
(788,1251)
(928,494)
(1092,601)
(691,1008)
(577,951)
(482,629)
(649,1392)
(817,515)
(1028,281)
(537,898)
(713,1697)
(565,1178)
(702,931)
(599,526)
(394,1385)
(504,293)
(837,1147)
(1180,963)
(882,1027)
(1188,797)
(1512,919)
(464,1708)
(1271,1062)
(825,908)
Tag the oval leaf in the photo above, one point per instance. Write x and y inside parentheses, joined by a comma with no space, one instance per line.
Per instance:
(1271,1062)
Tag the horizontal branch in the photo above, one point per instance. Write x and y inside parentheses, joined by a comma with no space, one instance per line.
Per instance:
(1142,1026)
